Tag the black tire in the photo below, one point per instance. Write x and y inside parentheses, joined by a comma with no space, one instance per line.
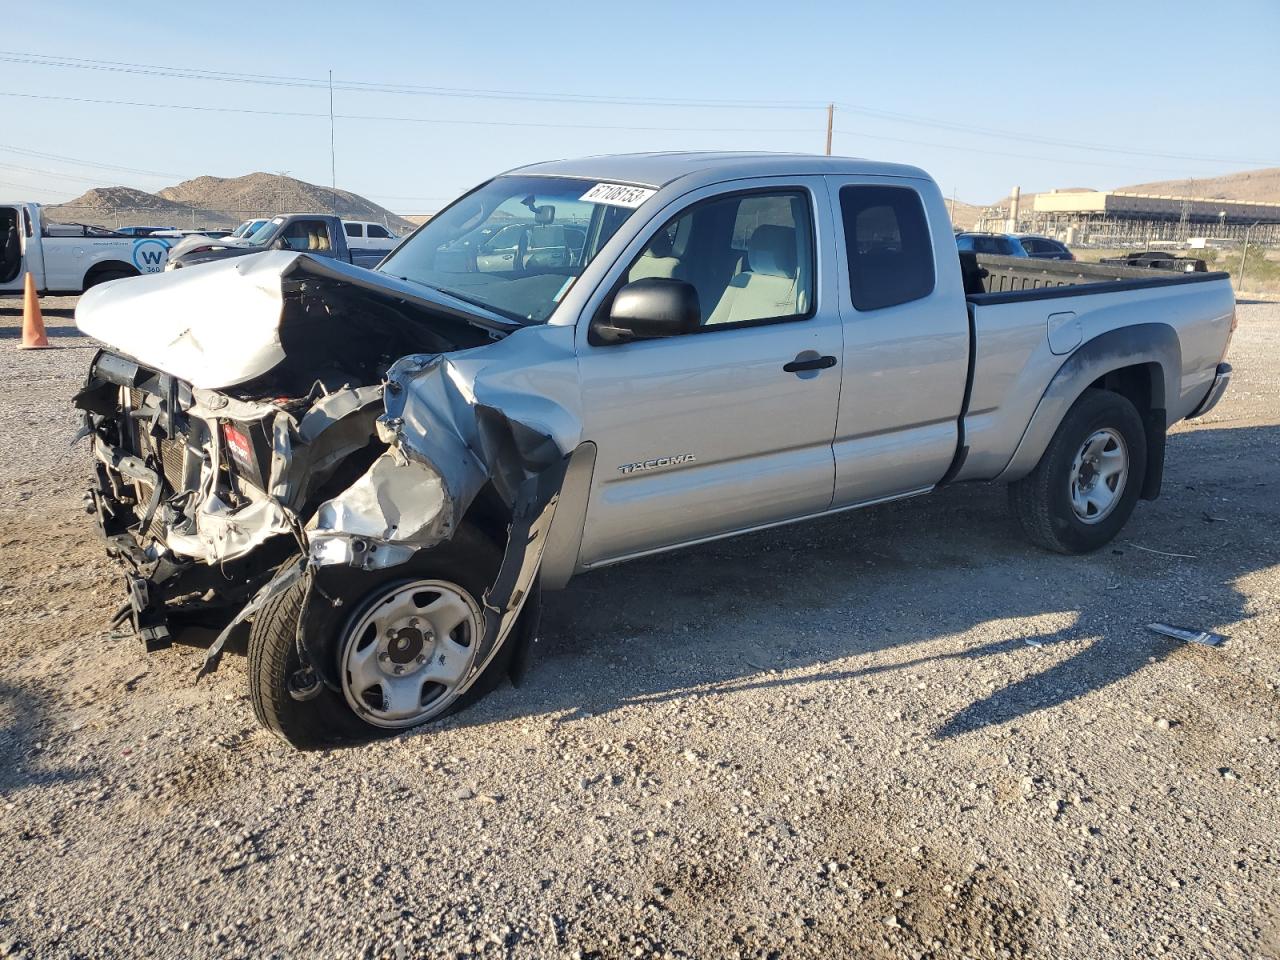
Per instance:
(102,276)
(1041,501)
(469,560)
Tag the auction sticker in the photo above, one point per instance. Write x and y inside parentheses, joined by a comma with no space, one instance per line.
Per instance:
(617,195)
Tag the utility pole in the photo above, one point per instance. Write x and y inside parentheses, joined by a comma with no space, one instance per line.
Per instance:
(831,116)
(333,160)
(1244,252)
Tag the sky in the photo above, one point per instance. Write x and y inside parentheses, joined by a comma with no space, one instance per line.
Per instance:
(982,95)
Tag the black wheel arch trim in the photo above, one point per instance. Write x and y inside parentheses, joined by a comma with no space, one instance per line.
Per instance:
(1142,344)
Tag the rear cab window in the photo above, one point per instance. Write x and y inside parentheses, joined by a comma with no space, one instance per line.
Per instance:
(887,244)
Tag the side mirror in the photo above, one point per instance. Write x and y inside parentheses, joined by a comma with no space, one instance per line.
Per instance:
(648,309)
(279,244)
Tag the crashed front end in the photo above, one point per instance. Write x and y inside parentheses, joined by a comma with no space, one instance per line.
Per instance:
(353,431)
(201,495)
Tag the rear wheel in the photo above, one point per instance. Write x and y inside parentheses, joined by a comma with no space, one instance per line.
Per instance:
(1088,481)
(104,276)
(402,656)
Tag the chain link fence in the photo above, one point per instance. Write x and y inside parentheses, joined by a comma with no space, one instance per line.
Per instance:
(204,218)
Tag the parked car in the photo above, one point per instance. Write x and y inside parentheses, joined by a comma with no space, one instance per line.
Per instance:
(382,470)
(68,258)
(1157,260)
(991,244)
(1044,248)
(248,227)
(144,231)
(366,235)
(318,234)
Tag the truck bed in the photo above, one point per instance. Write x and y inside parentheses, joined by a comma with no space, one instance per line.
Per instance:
(1010,279)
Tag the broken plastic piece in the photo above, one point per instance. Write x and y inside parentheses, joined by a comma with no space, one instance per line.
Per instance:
(1190,636)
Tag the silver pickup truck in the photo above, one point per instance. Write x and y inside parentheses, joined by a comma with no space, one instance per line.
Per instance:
(380,471)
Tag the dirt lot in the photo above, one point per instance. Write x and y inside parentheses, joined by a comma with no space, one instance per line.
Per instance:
(895,733)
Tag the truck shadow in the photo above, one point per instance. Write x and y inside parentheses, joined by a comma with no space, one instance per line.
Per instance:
(886,591)
(22,763)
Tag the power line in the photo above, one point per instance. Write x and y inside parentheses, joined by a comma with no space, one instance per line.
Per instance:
(27,186)
(8,148)
(364,86)
(1006,153)
(59,176)
(1049,141)
(395,119)
(558,126)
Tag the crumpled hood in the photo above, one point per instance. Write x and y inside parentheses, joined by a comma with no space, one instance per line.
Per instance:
(217,324)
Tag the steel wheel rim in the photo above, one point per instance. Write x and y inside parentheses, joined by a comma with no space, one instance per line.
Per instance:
(1099,473)
(407,652)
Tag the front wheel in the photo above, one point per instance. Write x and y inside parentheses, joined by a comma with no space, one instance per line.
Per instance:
(404,645)
(1087,483)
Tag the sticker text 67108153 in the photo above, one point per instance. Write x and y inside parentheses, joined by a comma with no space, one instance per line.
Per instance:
(618,195)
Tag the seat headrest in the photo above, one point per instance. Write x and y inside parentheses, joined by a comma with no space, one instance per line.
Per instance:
(660,245)
(771,251)
(546,235)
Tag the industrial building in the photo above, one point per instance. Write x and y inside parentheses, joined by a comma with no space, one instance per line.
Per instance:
(1101,218)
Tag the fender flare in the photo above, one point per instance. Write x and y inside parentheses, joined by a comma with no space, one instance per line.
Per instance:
(1143,344)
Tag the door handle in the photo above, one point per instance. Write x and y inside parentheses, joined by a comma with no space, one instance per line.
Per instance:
(809,361)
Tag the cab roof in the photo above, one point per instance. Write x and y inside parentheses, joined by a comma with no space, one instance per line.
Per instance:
(661,169)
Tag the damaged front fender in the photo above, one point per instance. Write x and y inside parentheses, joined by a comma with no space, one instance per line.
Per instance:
(445,444)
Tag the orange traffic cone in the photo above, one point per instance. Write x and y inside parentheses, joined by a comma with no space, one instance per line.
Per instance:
(33,335)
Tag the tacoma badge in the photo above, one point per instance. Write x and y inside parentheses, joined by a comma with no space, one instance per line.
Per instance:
(657,462)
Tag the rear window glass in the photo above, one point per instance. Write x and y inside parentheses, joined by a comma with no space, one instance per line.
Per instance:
(353,229)
(889,247)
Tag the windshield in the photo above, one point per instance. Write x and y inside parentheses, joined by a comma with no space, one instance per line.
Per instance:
(260,236)
(516,245)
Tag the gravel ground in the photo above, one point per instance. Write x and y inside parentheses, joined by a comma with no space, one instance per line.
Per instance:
(893,733)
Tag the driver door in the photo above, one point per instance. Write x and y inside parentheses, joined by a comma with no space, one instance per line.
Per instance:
(717,431)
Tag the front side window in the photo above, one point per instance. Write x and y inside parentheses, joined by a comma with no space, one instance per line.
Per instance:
(888,245)
(378,233)
(516,245)
(748,256)
(307,236)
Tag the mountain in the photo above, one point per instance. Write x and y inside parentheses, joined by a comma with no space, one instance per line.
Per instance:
(219,202)
(1260,185)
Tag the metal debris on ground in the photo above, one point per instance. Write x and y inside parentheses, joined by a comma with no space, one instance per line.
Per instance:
(1163,553)
(1190,636)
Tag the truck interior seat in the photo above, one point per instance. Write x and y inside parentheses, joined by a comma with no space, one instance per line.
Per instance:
(656,260)
(768,287)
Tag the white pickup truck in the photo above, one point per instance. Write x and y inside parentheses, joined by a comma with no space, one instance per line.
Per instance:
(381,470)
(69,258)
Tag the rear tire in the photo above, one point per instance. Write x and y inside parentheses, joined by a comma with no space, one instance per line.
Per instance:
(1086,485)
(468,562)
(104,276)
